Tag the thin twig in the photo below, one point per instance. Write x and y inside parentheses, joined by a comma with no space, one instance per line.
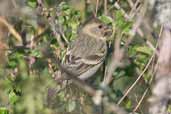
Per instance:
(152,47)
(40,2)
(130,3)
(139,77)
(36,38)
(140,101)
(116,58)
(114,108)
(145,92)
(105,7)
(97,6)
(133,10)
(11,29)
(117,6)
(14,3)
(139,31)
(119,53)
(137,80)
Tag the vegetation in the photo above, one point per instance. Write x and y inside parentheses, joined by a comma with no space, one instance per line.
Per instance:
(32,31)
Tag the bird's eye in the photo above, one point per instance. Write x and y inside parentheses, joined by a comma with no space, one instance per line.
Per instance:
(100,26)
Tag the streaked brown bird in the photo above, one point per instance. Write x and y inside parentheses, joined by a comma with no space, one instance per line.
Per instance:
(87,53)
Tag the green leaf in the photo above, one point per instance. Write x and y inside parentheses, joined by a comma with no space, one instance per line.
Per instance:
(106,19)
(13,97)
(32,3)
(36,53)
(61,19)
(144,49)
(4,110)
(128,104)
(121,23)
(12,64)
(69,19)
(13,60)
(71,106)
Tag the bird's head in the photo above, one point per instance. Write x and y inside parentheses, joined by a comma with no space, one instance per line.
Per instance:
(97,29)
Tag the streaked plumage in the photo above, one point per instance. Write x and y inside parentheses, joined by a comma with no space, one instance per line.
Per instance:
(87,53)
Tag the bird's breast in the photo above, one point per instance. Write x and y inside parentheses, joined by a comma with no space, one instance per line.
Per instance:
(83,47)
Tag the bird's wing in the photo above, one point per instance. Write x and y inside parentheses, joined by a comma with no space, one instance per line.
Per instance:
(94,59)
(80,60)
(80,65)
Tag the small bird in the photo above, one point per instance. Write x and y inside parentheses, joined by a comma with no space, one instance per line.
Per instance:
(87,52)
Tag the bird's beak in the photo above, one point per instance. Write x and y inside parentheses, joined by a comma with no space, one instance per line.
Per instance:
(108,31)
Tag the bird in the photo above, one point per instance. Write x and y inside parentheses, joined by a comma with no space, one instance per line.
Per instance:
(87,52)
